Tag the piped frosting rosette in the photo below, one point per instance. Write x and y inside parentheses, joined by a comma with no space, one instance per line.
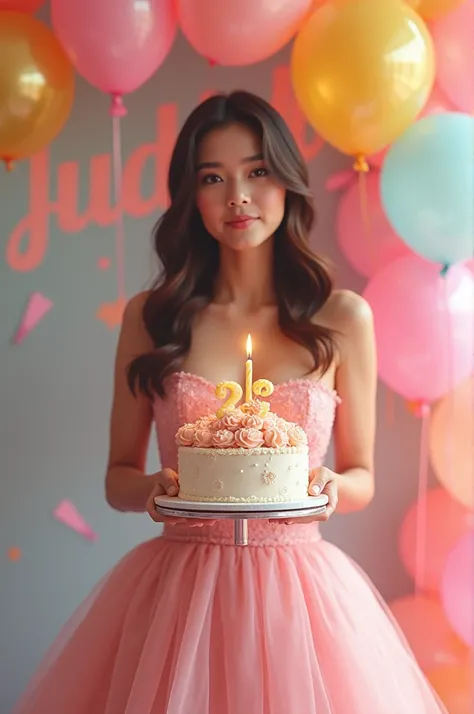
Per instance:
(241,429)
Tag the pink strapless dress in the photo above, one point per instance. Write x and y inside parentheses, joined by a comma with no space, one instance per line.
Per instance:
(188,623)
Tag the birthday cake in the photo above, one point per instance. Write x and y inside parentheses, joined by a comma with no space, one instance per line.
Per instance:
(243,454)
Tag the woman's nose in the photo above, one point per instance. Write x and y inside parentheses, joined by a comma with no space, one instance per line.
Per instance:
(238,200)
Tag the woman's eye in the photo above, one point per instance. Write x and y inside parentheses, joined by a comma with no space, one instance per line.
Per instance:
(210,179)
(260,172)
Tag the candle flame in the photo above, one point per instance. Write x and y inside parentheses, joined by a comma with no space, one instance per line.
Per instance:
(249,346)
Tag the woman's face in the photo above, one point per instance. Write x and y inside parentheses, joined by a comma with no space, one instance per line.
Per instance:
(240,202)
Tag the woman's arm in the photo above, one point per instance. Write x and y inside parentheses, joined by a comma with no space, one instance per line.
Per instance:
(126,486)
(356,384)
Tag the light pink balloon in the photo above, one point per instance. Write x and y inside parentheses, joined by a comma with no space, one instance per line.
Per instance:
(428,632)
(457,589)
(369,242)
(424,327)
(454,46)
(452,443)
(115,44)
(436,104)
(240,32)
(446,522)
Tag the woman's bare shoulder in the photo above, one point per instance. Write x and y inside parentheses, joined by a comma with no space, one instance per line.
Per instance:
(345,311)
(134,332)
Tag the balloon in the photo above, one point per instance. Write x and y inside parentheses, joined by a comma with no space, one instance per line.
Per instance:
(428,185)
(348,75)
(429,634)
(240,32)
(452,442)
(436,104)
(432,9)
(446,521)
(424,326)
(36,86)
(453,685)
(452,37)
(28,6)
(115,44)
(457,588)
(367,242)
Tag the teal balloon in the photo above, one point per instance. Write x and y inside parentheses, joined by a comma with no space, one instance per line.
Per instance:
(427,187)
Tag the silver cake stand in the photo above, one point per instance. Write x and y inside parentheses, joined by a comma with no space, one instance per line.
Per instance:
(240,513)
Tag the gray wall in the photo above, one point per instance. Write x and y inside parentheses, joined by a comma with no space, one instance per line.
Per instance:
(55,388)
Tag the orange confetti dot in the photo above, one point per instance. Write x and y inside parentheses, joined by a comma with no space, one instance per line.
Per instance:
(14,554)
(111,313)
(103,263)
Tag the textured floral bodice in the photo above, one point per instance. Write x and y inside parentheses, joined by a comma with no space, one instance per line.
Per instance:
(303,401)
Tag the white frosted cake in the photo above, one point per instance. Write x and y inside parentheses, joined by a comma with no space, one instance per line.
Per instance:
(242,457)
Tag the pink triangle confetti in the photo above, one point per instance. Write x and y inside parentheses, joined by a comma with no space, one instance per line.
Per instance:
(37,307)
(67,513)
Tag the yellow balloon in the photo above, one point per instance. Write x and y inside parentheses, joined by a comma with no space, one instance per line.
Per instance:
(36,86)
(433,9)
(362,71)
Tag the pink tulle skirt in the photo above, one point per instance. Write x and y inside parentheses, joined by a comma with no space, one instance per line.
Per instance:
(190,624)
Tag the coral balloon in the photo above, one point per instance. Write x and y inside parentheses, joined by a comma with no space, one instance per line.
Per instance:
(36,86)
(446,522)
(428,184)
(349,76)
(28,6)
(424,327)
(452,442)
(368,242)
(453,685)
(240,32)
(428,632)
(457,588)
(436,104)
(115,44)
(452,37)
(432,9)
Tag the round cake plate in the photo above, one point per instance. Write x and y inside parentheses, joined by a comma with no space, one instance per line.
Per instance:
(173,507)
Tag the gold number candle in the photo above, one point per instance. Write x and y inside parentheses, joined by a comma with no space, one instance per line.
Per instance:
(263,388)
(233,392)
(248,370)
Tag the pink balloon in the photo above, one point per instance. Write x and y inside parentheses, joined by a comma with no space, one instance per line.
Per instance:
(26,6)
(368,243)
(424,326)
(453,40)
(457,588)
(240,32)
(115,44)
(428,632)
(446,522)
(436,104)
(452,443)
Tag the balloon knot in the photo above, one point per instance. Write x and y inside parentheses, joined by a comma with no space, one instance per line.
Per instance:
(444,270)
(418,408)
(117,107)
(360,164)
(211,62)
(9,165)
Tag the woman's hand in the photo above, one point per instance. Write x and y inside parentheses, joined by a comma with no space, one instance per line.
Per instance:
(167,484)
(322,482)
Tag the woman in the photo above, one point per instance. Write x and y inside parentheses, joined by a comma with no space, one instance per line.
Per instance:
(189,623)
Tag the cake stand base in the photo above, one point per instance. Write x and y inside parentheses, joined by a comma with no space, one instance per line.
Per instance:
(240,513)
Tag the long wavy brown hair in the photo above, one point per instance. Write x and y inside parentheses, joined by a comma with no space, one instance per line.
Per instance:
(189,255)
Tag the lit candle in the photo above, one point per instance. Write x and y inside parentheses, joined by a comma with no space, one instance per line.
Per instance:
(248,371)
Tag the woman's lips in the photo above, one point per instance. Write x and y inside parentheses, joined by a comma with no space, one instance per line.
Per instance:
(242,222)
